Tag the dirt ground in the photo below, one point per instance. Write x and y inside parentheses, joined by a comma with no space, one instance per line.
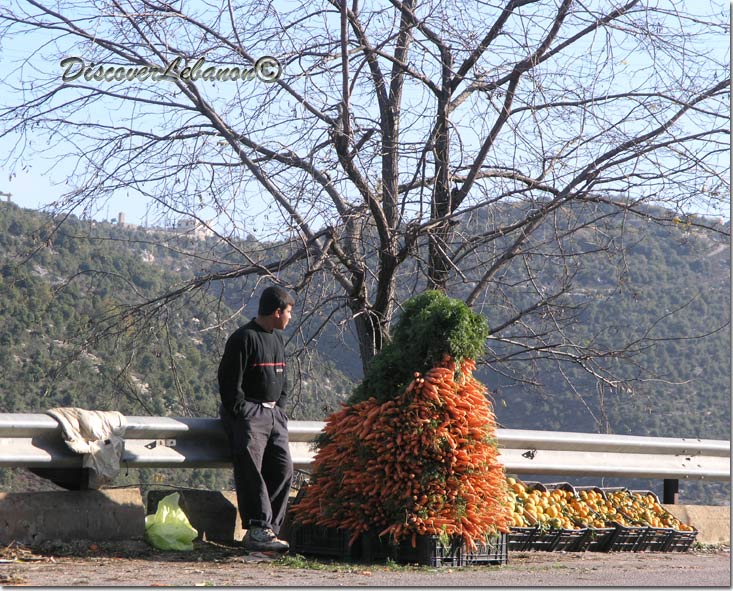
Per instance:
(134,564)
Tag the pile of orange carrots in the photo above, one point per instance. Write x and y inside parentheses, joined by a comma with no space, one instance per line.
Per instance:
(423,462)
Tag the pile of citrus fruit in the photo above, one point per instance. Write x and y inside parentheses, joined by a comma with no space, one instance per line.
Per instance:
(567,508)
(537,506)
(643,509)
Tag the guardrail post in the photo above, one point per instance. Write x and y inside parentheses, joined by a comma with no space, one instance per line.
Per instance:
(671,493)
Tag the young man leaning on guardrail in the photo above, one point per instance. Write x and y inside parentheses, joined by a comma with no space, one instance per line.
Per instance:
(253,389)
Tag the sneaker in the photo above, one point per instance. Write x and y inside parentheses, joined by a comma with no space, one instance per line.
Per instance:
(263,539)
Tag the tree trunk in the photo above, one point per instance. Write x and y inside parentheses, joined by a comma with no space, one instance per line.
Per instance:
(439,263)
(441,206)
(372,331)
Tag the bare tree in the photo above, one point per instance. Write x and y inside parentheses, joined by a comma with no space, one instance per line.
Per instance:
(449,145)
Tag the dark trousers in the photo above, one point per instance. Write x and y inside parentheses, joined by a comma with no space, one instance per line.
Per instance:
(263,469)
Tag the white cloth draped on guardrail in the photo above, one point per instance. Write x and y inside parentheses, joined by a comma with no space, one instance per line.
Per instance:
(98,436)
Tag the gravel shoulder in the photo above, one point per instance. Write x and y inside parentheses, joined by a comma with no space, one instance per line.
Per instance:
(135,564)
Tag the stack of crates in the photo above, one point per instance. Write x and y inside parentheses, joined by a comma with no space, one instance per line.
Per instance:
(569,540)
(328,542)
(667,539)
(520,538)
(493,550)
(638,537)
(680,541)
(626,539)
(635,536)
(545,539)
(436,551)
(598,538)
(429,550)
(542,539)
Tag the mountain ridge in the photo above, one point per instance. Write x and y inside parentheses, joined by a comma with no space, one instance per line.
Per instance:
(57,281)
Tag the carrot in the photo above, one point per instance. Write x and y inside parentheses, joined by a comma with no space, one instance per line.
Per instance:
(385,463)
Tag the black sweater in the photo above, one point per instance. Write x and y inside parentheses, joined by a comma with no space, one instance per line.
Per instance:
(253,367)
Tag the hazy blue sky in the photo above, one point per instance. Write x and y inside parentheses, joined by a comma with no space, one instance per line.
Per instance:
(40,181)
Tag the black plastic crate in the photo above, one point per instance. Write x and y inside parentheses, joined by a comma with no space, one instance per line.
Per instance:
(492,550)
(579,489)
(597,540)
(656,539)
(646,492)
(562,486)
(436,551)
(626,539)
(428,551)
(374,548)
(571,540)
(545,540)
(607,490)
(316,540)
(666,513)
(531,485)
(680,541)
(520,538)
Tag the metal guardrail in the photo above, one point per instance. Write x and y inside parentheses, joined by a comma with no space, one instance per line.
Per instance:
(35,441)
(550,452)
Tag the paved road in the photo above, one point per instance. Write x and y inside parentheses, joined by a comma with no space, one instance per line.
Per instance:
(140,566)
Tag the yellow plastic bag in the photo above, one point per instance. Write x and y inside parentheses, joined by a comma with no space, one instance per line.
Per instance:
(168,528)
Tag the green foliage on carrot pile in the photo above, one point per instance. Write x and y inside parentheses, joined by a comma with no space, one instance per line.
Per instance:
(430,326)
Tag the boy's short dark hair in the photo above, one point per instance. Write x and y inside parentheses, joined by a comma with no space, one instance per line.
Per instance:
(274,298)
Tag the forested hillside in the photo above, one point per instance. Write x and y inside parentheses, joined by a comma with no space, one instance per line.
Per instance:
(670,297)
(63,342)
(57,287)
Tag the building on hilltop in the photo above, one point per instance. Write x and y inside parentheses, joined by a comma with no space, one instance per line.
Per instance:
(191,227)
